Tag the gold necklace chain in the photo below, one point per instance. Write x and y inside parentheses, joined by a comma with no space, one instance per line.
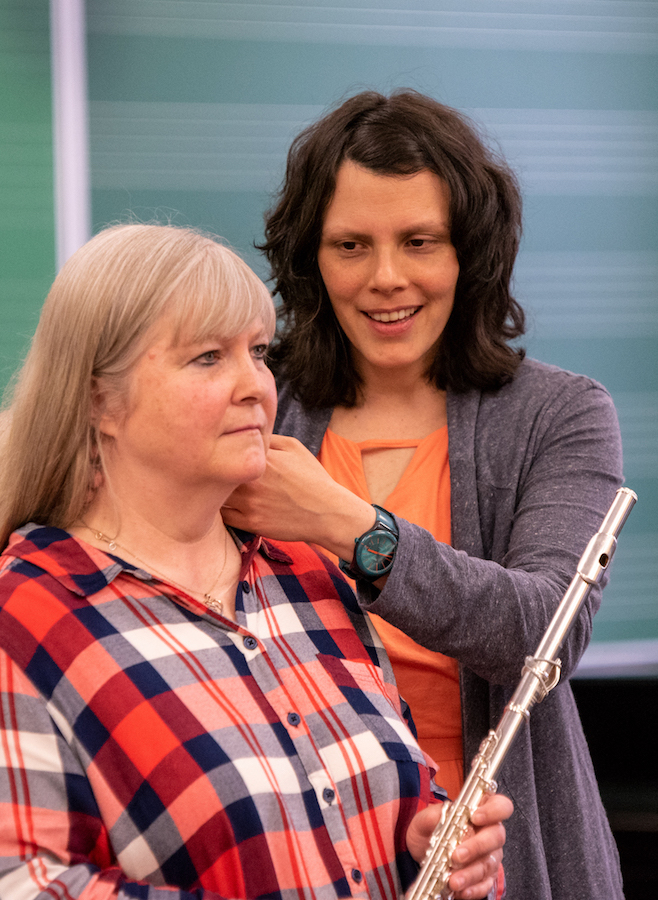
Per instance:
(213,603)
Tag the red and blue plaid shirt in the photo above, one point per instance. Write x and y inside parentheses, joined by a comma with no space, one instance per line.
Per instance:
(150,748)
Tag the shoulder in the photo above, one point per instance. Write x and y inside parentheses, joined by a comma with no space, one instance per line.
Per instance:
(537,382)
(324,602)
(47,577)
(32,599)
(539,391)
(547,400)
(294,420)
(28,558)
(545,413)
(288,407)
(318,576)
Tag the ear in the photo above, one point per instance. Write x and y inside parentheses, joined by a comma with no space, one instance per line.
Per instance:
(103,413)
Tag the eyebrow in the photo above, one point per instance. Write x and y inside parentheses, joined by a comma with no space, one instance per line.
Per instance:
(442,228)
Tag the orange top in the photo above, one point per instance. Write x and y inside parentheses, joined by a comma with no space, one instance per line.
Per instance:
(428,681)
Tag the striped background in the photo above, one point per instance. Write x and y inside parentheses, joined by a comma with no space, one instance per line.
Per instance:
(193,105)
(27,230)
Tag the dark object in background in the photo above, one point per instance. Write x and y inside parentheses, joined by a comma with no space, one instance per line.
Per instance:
(619,719)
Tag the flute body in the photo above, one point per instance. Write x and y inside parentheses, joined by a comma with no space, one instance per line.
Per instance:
(539,676)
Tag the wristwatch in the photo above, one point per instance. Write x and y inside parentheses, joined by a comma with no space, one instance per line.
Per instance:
(374,551)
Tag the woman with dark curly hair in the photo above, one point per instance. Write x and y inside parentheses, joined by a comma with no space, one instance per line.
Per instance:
(457,480)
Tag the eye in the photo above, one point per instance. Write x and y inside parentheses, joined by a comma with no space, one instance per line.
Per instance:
(209,358)
(429,242)
(422,243)
(349,247)
(260,351)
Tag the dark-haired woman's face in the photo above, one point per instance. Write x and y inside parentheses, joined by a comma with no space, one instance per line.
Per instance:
(389,266)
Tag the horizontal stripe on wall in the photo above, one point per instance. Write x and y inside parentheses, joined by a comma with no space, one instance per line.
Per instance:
(638,420)
(576,25)
(631,595)
(192,146)
(578,151)
(217,146)
(584,295)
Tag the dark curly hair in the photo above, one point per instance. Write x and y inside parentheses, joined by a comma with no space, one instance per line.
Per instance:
(398,135)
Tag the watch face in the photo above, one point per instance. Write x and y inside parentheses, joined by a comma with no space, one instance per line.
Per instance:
(375,551)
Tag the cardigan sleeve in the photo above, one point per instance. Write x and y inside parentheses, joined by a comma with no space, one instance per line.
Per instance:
(544,477)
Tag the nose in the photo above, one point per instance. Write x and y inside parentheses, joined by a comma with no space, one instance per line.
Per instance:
(253,381)
(388,271)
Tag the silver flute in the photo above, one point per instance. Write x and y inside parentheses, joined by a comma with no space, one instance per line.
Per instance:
(539,676)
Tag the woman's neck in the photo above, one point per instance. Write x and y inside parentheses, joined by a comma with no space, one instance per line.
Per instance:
(190,547)
(392,407)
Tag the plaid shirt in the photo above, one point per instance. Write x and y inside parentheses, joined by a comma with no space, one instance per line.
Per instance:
(152,749)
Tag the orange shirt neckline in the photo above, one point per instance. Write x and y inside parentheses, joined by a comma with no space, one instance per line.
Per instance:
(422,495)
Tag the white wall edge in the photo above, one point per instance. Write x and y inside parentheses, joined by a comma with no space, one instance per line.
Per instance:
(70,127)
(620,659)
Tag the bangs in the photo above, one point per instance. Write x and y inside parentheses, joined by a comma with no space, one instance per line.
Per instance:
(217,295)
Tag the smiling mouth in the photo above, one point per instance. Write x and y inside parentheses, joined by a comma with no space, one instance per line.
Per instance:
(395,316)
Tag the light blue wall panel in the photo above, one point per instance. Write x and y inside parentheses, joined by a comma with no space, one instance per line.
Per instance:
(590,25)
(193,105)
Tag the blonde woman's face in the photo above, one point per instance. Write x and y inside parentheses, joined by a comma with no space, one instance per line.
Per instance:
(196,415)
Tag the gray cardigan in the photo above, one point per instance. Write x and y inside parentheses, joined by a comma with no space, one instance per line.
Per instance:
(533,469)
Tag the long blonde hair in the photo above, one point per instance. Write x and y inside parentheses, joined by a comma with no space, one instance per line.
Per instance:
(90,334)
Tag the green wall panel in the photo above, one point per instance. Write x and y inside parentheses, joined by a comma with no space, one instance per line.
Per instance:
(27,253)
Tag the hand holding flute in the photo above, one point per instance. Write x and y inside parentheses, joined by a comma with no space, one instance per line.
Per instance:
(477,859)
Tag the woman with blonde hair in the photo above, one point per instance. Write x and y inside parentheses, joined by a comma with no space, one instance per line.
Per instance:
(186,711)
(88,337)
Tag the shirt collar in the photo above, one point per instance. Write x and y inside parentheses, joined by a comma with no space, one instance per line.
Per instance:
(85,570)
(249,545)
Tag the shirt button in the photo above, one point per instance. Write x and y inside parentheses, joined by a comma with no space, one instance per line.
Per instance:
(294,718)
(357,875)
(250,643)
(246,587)
(328,795)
